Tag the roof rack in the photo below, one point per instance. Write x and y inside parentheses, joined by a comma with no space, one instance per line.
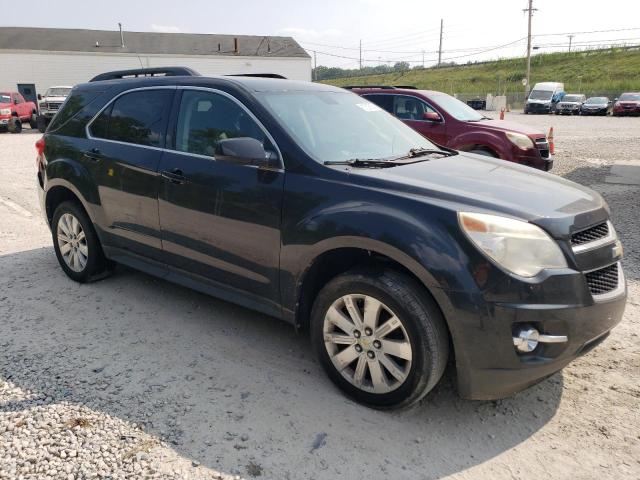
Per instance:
(146,72)
(261,75)
(407,87)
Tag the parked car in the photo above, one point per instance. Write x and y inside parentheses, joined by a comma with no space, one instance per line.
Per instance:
(311,204)
(544,97)
(627,104)
(14,111)
(596,106)
(447,121)
(570,104)
(50,103)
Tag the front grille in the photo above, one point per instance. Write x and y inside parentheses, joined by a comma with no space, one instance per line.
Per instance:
(590,234)
(604,280)
(53,106)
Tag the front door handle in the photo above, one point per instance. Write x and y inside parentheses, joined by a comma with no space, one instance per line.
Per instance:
(93,154)
(174,176)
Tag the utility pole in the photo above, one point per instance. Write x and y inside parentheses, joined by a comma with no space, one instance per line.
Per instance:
(315,66)
(570,39)
(440,47)
(530,10)
(422,58)
(360,54)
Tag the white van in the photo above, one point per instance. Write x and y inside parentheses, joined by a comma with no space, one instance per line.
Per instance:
(543,97)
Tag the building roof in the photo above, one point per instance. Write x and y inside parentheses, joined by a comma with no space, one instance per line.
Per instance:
(106,41)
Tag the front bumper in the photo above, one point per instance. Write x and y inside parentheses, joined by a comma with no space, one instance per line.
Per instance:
(538,107)
(496,370)
(594,111)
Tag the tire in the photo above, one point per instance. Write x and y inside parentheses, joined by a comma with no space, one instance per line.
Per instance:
(421,326)
(15,125)
(41,124)
(484,152)
(95,264)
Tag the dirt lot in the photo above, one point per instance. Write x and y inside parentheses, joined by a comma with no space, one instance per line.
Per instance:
(133,376)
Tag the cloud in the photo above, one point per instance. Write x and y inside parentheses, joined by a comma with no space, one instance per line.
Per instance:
(310,32)
(166,28)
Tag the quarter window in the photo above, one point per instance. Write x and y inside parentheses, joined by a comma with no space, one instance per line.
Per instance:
(136,117)
(205,118)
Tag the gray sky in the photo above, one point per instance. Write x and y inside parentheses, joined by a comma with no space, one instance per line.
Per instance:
(391,30)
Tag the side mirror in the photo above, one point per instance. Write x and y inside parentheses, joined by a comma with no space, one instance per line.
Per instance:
(432,116)
(615,99)
(245,150)
(15,101)
(39,97)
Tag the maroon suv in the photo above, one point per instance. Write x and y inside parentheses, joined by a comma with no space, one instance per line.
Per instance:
(627,104)
(447,121)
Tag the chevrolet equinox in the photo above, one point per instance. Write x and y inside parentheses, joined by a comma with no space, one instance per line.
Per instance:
(314,205)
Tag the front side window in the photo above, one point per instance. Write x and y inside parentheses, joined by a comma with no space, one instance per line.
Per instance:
(331,125)
(410,108)
(383,101)
(137,117)
(205,118)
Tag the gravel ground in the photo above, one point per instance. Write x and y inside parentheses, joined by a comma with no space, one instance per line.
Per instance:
(133,377)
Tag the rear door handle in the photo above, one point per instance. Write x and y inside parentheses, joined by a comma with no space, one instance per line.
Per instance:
(174,176)
(93,154)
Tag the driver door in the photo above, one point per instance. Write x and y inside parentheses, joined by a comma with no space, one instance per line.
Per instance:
(220,217)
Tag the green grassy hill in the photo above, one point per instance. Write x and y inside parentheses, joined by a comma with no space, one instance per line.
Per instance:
(590,72)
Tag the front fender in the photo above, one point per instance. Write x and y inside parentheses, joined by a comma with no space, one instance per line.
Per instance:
(467,141)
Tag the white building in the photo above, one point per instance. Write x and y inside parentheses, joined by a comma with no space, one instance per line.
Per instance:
(43,57)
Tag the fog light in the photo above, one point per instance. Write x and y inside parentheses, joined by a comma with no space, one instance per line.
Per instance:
(526,340)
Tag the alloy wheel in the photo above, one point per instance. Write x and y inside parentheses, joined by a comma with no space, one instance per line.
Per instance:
(72,242)
(367,343)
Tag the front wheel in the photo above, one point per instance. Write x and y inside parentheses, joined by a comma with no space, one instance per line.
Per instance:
(76,244)
(380,337)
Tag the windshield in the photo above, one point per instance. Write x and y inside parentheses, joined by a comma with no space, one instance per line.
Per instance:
(339,126)
(630,97)
(57,92)
(572,98)
(5,97)
(456,108)
(597,100)
(541,95)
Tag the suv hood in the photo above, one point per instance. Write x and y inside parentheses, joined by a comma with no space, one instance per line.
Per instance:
(507,126)
(474,182)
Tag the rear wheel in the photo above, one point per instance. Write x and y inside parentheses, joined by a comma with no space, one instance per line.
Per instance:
(379,337)
(76,244)
(33,121)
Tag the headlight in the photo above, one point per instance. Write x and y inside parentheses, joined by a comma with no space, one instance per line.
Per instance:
(5,111)
(520,140)
(520,247)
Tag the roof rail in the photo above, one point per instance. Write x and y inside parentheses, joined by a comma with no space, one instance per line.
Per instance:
(261,75)
(146,72)
(407,87)
(385,87)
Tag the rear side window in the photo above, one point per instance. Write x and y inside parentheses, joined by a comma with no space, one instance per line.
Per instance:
(383,101)
(137,117)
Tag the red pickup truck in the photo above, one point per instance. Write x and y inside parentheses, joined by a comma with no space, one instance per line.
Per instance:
(447,121)
(15,110)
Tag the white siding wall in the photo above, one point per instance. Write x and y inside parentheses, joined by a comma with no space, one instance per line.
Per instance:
(46,69)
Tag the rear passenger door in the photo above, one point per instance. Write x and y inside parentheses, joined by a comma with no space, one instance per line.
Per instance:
(126,142)
(220,217)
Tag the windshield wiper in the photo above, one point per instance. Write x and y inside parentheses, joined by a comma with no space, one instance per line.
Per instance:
(363,163)
(420,152)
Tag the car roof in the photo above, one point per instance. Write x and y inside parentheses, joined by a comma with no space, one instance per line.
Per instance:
(396,90)
(254,84)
